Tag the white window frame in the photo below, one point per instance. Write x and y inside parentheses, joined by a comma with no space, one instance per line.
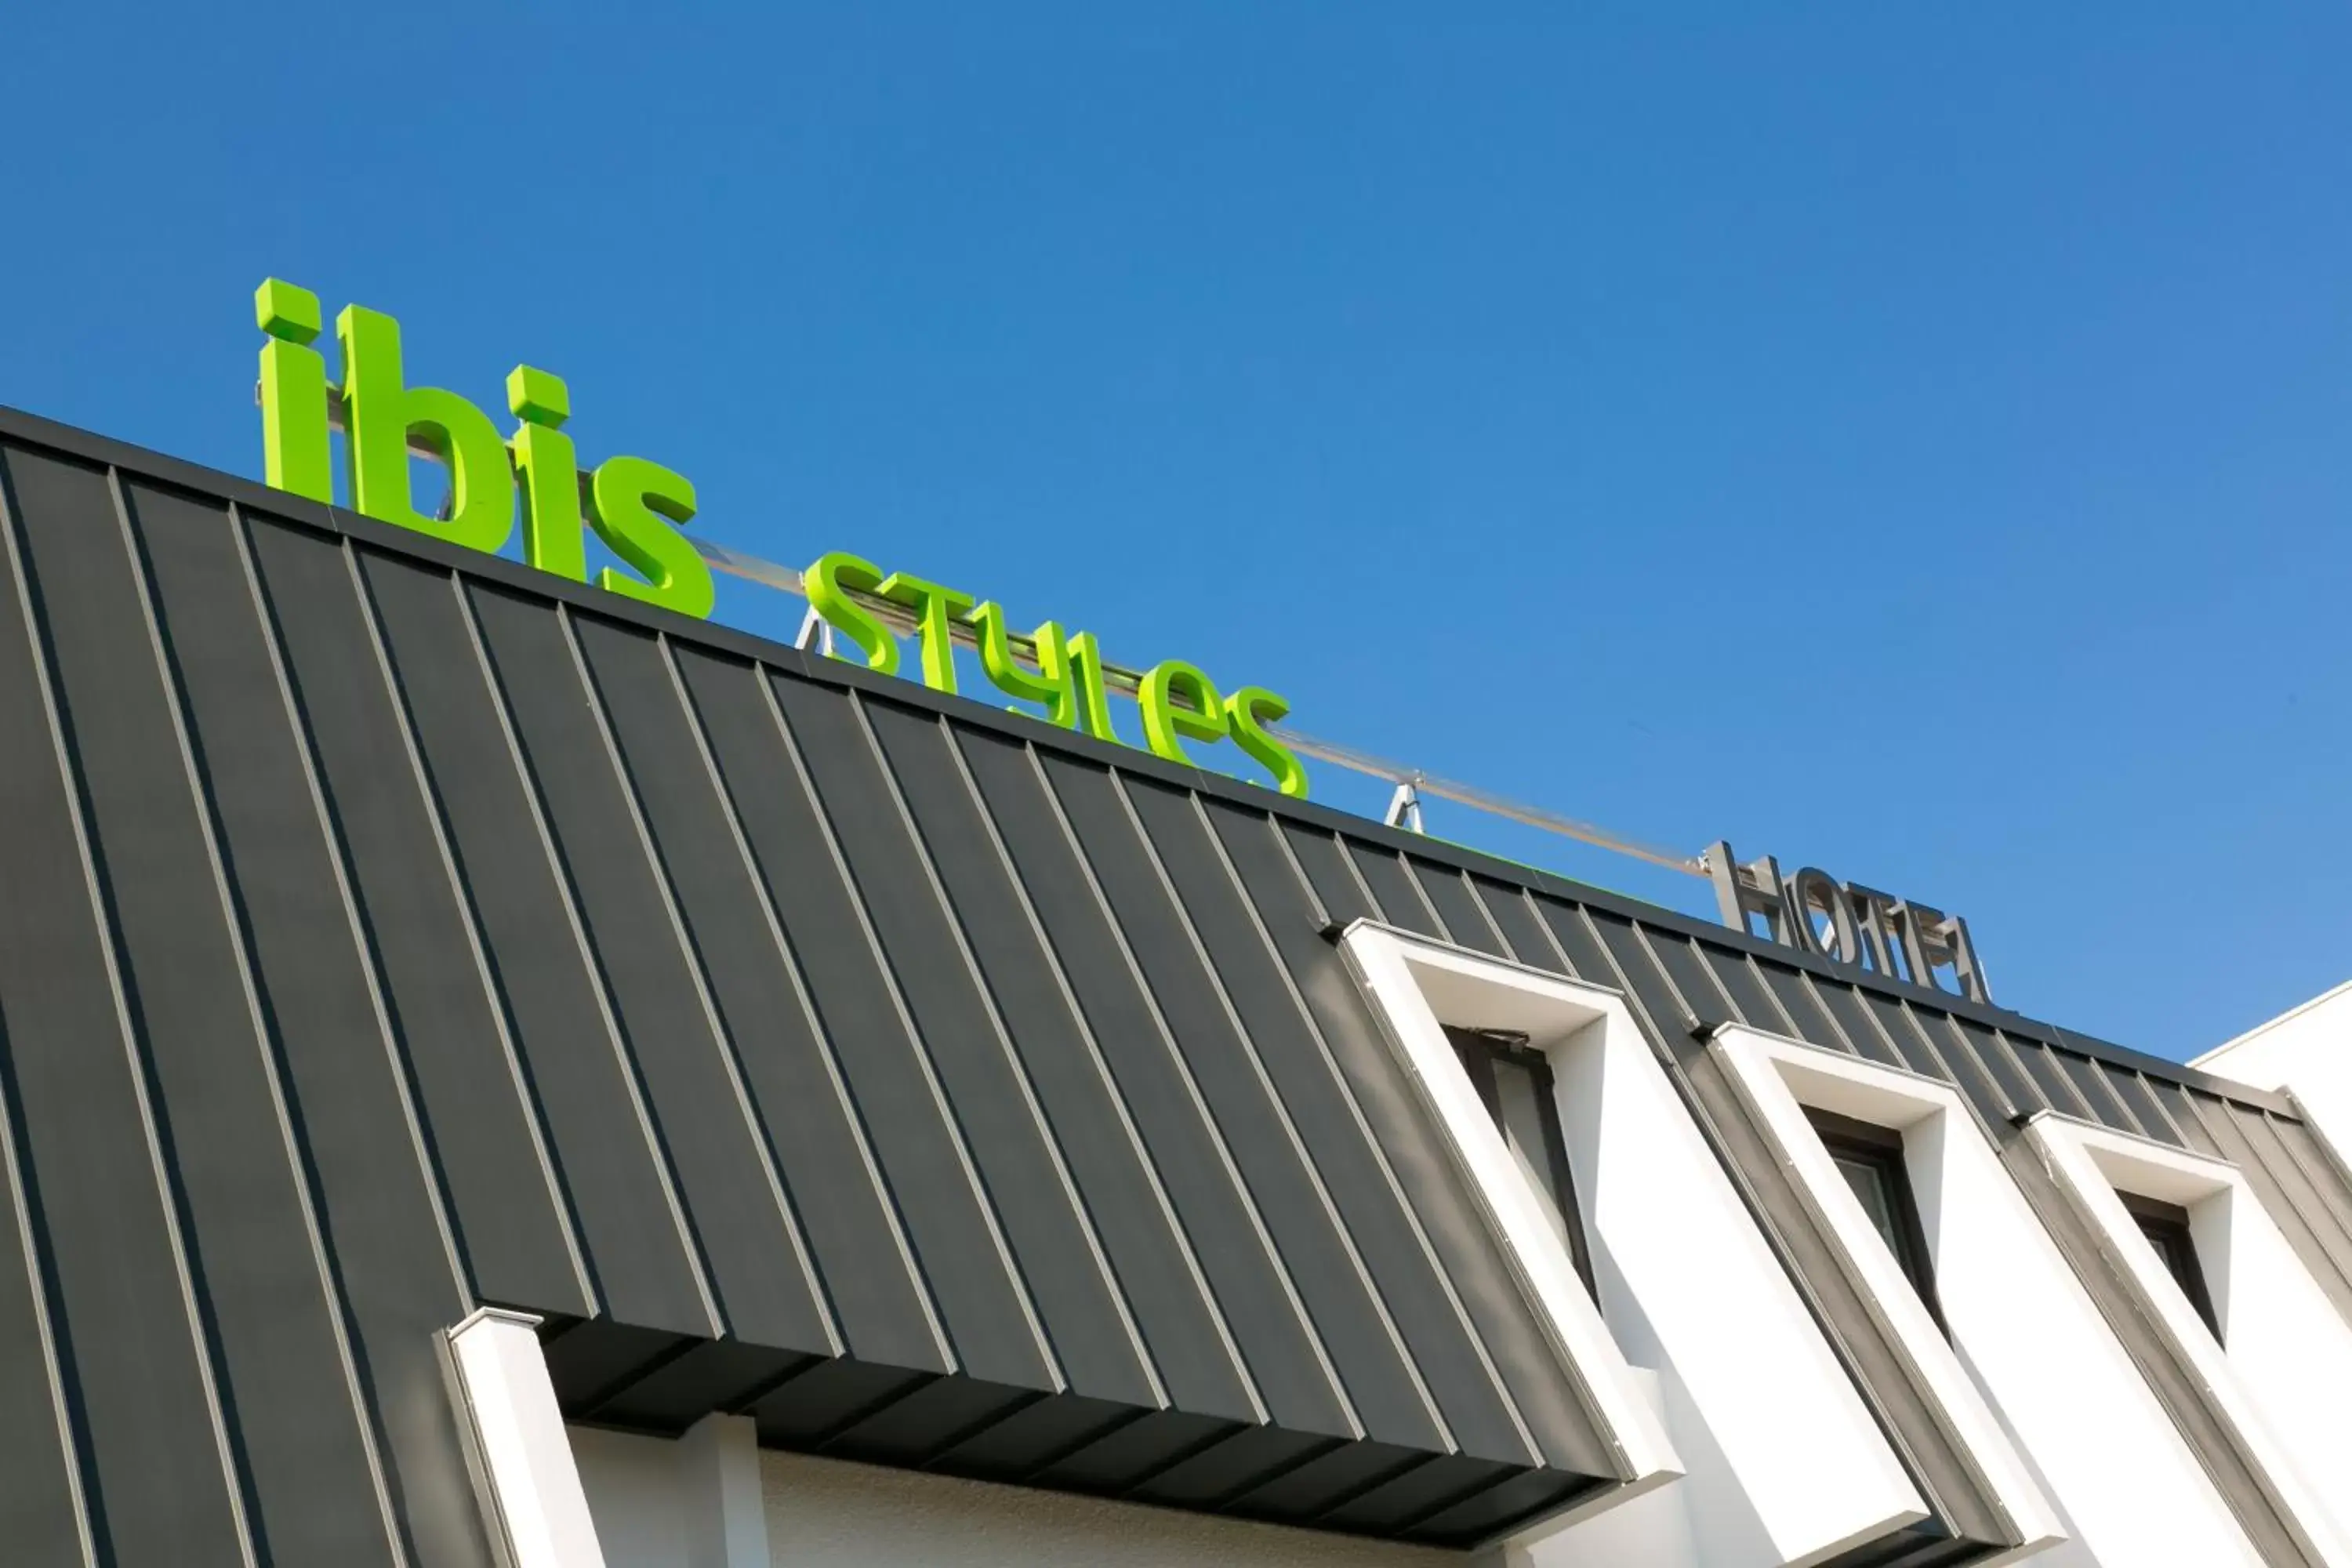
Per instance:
(1787,1467)
(2045,1400)
(2280,1376)
(524,1469)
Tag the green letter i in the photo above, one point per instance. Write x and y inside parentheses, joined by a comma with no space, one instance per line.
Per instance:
(551,538)
(294,454)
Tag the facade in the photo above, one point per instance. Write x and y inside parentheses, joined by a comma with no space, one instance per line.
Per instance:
(498,1073)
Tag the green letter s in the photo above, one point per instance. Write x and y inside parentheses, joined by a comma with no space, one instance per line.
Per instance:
(826,581)
(630,498)
(383,410)
(1248,712)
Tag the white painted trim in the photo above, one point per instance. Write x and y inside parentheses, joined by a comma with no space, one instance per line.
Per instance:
(509,1402)
(1644,1450)
(718,1485)
(2047,1402)
(2305,1053)
(1795,1470)
(1760,1067)
(2285,1393)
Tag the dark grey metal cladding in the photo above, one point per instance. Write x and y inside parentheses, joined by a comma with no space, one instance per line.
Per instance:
(376,1209)
(933,1097)
(635,1240)
(392,929)
(1668,984)
(1274,1349)
(984,1323)
(1292,1199)
(811,1128)
(1291,1048)
(1024,1201)
(1147,1254)
(2004,1073)
(195,1292)
(434,980)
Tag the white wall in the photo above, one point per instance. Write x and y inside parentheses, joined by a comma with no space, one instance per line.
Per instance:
(634,1494)
(2306,1050)
(828,1513)
(823,1514)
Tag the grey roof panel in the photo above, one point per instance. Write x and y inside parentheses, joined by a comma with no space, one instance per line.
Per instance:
(1245,1281)
(427,965)
(1452,1382)
(936,1087)
(271,1325)
(1059,1293)
(1506,1338)
(1448,891)
(376,1209)
(40,1484)
(751,1068)
(668,1051)
(633,1238)
(145,1427)
(1148,1284)
(1353,1332)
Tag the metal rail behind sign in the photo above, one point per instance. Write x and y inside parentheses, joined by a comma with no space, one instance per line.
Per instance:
(639,509)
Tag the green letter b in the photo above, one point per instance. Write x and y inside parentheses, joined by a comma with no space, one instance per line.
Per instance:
(382,411)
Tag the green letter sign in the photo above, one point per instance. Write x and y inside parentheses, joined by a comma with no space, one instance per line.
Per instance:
(638,508)
(635,504)
(1179,701)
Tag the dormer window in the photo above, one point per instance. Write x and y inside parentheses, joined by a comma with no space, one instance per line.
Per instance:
(1515,1082)
(2166,1226)
(1870,1158)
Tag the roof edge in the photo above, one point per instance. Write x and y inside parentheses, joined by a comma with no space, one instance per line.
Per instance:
(87,446)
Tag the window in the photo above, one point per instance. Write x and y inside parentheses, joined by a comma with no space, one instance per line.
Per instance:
(1785,1460)
(1513,1081)
(2166,1226)
(1871,1160)
(2243,1314)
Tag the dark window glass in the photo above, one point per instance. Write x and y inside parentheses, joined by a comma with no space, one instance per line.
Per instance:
(1514,1080)
(2166,1226)
(1871,1160)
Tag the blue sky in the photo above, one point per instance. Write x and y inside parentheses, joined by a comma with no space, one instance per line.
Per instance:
(1909,440)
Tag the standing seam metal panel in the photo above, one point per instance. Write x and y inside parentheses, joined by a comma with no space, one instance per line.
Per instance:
(481,1130)
(375,1204)
(1188,1352)
(740,1010)
(675,1051)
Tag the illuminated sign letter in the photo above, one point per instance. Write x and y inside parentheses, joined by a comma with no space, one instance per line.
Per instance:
(632,497)
(1164,723)
(828,583)
(1247,713)
(936,609)
(1053,685)
(294,444)
(550,470)
(634,505)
